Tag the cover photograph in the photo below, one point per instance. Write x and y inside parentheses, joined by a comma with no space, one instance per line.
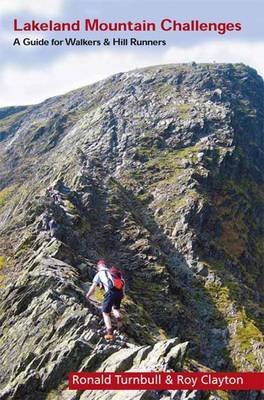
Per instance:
(131,200)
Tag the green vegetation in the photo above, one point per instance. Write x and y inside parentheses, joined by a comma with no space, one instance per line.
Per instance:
(53,395)
(221,394)
(168,168)
(144,152)
(138,322)
(235,203)
(69,205)
(144,198)
(166,160)
(170,207)
(23,247)
(220,295)
(53,248)
(2,262)
(245,336)
(184,110)
(246,332)
(150,291)
(164,89)
(7,122)
(231,239)
(169,160)
(2,266)
(5,195)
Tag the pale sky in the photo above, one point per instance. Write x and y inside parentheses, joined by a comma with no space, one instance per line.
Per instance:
(31,74)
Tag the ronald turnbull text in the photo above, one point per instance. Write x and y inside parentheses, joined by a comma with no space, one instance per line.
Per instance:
(154,380)
(95,25)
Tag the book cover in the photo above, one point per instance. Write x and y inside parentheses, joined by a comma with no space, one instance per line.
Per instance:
(131,200)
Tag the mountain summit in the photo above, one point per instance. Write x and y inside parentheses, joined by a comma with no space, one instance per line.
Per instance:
(160,171)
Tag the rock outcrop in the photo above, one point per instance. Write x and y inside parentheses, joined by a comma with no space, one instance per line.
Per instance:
(160,171)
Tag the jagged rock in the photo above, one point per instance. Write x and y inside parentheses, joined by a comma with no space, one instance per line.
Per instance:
(164,355)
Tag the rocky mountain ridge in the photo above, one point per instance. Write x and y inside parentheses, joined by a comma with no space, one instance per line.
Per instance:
(160,171)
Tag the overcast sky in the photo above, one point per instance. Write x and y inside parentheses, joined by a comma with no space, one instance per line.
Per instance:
(31,74)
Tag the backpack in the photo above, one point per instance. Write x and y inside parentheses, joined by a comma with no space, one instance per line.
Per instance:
(117,278)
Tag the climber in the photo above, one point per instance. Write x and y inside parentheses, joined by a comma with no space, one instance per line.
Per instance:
(53,227)
(45,221)
(54,194)
(113,284)
(49,191)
